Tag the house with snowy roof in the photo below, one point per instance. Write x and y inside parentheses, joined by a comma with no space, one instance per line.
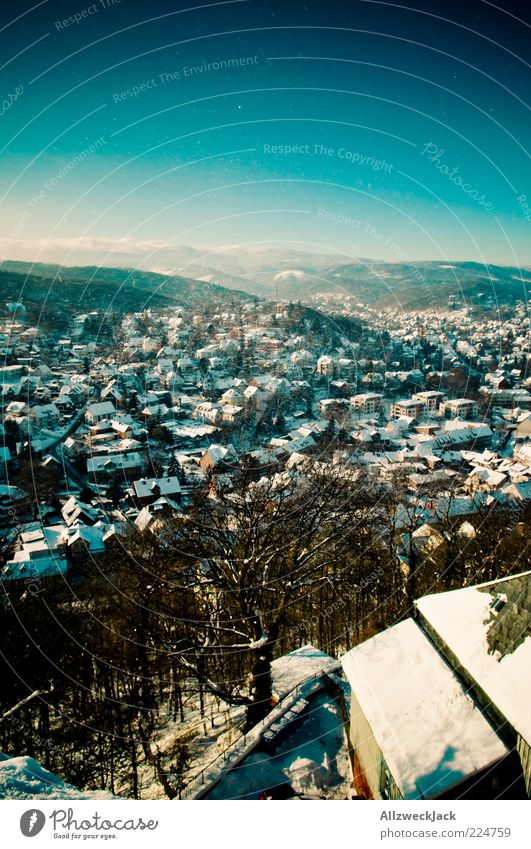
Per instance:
(440,702)
(459,408)
(149,490)
(475,436)
(74,511)
(484,479)
(110,464)
(519,492)
(153,514)
(45,415)
(98,411)
(485,633)
(218,456)
(40,553)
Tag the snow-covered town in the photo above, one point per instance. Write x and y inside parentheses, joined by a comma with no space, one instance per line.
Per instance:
(131,434)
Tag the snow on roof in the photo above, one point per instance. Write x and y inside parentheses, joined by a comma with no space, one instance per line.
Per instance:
(115,461)
(293,668)
(12,493)
(192,431)
(101,408)
(429,730)
(218,453)
(25,778)
(493,646)
(92,536)
(312,759)
(23,566)
(147,487)
(488,476)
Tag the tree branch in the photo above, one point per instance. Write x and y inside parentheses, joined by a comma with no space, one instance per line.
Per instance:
(23,702)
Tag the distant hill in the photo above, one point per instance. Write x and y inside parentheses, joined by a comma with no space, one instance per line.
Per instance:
(52,291)
(422,285)
(418,285)
(245,274)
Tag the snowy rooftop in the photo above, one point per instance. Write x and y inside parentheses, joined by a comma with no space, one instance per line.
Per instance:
(430,732)
(293,668)
(146,487)
(494,646)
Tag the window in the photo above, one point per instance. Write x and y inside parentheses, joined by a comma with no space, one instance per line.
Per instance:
(385,781)
(498,603)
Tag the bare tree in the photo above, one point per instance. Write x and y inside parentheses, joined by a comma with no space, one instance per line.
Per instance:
(256,553)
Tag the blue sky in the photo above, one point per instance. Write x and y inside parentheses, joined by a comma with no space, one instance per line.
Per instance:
(368,128)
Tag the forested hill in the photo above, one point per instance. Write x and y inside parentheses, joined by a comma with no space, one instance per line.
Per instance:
(425,285)
(49,291)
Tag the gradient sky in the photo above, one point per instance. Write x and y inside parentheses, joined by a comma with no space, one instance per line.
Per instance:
(187,161)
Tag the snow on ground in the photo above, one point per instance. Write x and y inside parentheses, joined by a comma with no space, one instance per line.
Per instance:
(313,760)
(25,778)
(205,737)
(208,736)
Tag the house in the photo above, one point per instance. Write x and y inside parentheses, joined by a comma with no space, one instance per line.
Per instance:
(478,436)
(153,515)
(409,408)
(218,456)
(367,403)
(523,453)
(231,413)
(431,398)
(155,412)
(325,366)
(112,392)
(15,505)
(459,408)
(123,427)
(45,416)
(484,632)
(99,411)
(300,750)
(111,464)
(206,411)
(523,428)
(16,409)
(84,541)
(507,397)
(100,432)
(149,490)
(424,540)
(519,492)
(484,479)
(41,553)
(439,702)
(12,374)
(75,511)
(333,408)
(232,396)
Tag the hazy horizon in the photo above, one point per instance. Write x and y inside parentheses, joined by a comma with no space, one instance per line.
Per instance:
(93,253)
